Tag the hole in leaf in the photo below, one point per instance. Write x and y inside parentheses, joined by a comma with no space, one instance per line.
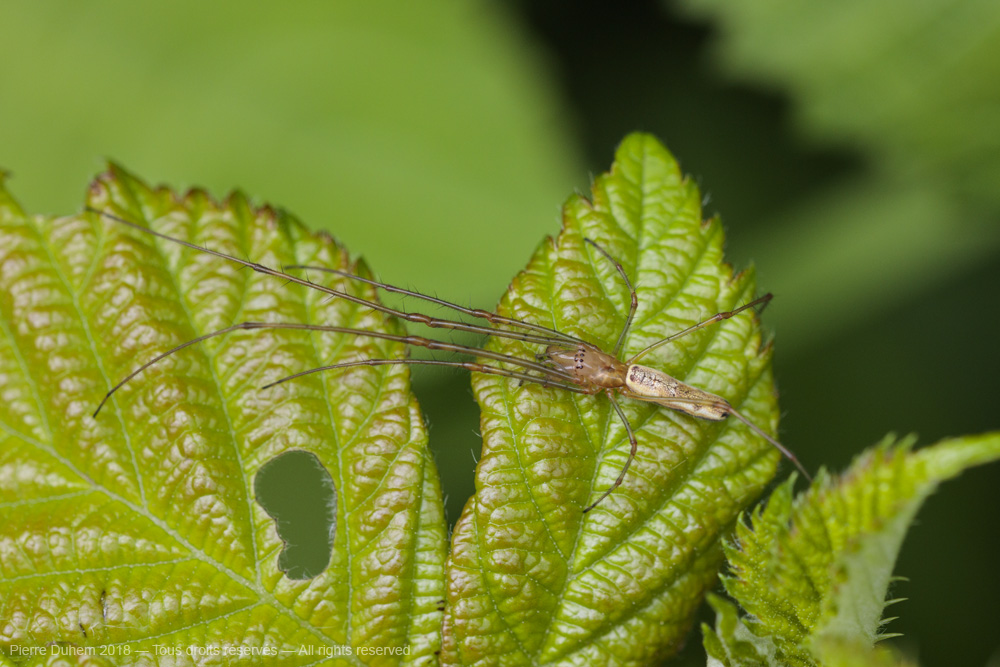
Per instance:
(298,493)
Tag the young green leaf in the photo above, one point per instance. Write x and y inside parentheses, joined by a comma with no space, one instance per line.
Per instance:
(140,527)
(531,577)
(813,573)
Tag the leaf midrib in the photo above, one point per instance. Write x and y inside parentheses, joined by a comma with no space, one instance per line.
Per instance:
(572,576)
(605,446)
(210,362)
(197,554)
(679,571)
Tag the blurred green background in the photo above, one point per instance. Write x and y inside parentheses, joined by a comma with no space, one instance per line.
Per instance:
(852,148)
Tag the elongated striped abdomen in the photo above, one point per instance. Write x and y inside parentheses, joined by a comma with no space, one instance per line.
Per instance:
(648,384)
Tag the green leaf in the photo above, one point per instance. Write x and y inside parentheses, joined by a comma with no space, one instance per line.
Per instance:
(530,576)
(140,527)
(909,88)
(813,573)
(732,643)
(888,77)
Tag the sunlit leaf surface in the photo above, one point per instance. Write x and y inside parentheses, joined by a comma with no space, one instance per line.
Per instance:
(140,527)
(531,578)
